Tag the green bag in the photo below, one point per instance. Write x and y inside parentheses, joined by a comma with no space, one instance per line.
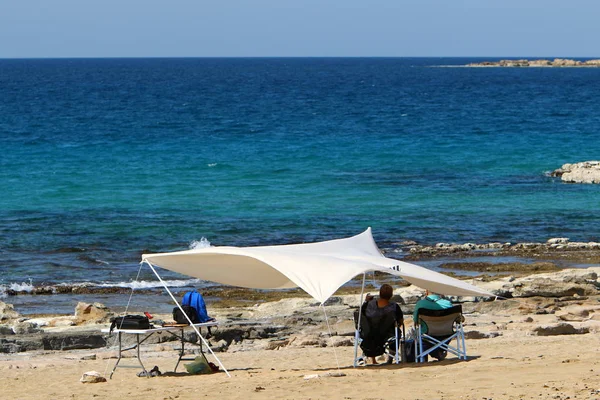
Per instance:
(198,366)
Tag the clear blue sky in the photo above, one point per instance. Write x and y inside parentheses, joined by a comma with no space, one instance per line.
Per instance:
(215,28)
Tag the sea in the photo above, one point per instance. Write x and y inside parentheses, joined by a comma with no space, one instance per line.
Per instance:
(102,160)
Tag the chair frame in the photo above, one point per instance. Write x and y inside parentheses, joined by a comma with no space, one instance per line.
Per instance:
(452,317)
(398,358)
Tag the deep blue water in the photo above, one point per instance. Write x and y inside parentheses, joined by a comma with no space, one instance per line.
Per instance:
(103,159)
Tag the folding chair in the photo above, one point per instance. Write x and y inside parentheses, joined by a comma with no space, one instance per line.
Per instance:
(443,326)
(374,340)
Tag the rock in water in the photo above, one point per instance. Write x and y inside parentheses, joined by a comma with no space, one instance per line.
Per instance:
(582,172)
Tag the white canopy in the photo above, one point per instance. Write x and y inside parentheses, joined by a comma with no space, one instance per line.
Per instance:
(318,268)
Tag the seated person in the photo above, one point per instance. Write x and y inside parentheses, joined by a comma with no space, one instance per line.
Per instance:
(431,302)
(380,318)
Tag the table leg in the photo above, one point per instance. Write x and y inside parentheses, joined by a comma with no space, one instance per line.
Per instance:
(138,354)
(181,352)
(200,342)
(118,359)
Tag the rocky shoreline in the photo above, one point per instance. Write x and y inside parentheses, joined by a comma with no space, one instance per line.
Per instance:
(549,253)
(568,300)
(555,303)
(539,341)
(557,62)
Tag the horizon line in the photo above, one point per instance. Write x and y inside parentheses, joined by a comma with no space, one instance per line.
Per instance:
(285,57)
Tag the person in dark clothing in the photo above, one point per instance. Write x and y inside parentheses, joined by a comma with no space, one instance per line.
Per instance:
(381,315)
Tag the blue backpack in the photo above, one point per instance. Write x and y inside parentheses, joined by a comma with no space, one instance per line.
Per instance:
(195,299)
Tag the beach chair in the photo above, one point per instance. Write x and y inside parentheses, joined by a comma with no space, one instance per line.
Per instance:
(442,327)
(377,337)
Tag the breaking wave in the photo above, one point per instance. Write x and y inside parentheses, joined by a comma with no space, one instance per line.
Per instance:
(16,287)
(199,244)
(155,284)
(24,288)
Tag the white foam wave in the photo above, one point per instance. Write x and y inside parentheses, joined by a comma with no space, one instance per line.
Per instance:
(78,284)
(151,284)
(28,287)
(212,165)
(21,287)
(200,244)
(17,287)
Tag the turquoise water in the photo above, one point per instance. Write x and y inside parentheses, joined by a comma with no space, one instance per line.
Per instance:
(104,159)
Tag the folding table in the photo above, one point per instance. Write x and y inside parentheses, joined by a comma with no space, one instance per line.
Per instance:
(144,334)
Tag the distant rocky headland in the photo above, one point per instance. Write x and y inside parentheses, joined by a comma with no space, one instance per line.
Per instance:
(557,62)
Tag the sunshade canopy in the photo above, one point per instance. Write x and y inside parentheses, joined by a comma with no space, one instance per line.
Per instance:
(318,268)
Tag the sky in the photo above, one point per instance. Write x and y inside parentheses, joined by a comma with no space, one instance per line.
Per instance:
(300,28)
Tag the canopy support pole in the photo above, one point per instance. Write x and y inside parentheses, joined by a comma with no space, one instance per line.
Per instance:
(356,331)
(126,309)
(187,317)
(137,278)
(331,336)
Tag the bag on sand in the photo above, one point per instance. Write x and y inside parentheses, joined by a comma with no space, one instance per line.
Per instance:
(199,366)
(410,350)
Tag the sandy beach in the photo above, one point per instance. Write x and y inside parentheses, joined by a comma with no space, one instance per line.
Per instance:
(526,367)
(541,346)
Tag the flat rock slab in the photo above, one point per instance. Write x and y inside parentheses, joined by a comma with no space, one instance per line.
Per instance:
(481,335)
(19,343)
(559,329)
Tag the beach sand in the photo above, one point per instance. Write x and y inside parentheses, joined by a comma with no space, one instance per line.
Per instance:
(521,348)
(515,367)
